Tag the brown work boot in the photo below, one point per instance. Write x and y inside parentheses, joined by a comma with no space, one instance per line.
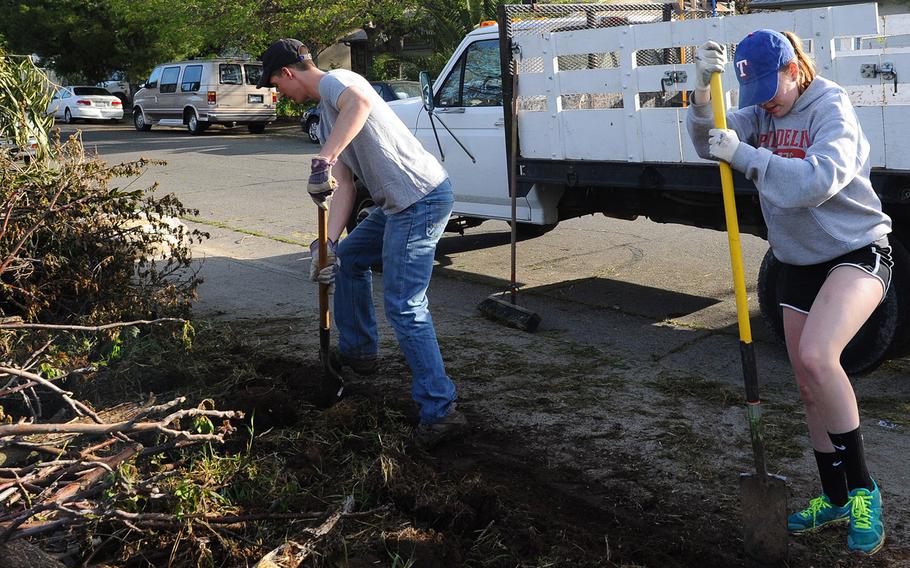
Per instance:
(366,366)
(429,435)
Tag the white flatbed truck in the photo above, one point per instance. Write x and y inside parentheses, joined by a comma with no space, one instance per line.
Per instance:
(601,125)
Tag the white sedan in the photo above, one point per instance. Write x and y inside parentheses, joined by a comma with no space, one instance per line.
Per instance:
(88,103)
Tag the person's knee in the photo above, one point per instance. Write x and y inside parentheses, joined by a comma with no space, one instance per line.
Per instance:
(351,262)
(817,362)
(806,391)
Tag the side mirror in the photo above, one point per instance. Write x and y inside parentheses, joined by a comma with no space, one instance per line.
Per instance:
(426,91)
(142,85)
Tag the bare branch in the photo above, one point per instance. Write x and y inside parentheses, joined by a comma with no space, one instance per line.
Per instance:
(77,406)
(22,325)
(128,426)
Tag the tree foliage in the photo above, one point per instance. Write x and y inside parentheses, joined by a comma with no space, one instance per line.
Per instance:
(86,40)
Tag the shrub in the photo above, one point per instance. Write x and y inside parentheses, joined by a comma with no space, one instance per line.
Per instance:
(77,241)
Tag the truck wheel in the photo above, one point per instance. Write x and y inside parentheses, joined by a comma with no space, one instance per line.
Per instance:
(139,121)
(900,285)
(194,125)
(871,345)
(363,206)
(311,127)
(258,128)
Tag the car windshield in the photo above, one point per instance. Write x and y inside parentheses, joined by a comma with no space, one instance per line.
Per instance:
(89,91)
(406,90)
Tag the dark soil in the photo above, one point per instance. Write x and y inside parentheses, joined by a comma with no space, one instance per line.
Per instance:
(495,488)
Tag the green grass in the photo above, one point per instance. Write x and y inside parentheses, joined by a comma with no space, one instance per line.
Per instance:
(697,388)
(221,225)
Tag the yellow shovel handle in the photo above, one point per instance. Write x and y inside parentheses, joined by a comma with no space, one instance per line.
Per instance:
(736,254)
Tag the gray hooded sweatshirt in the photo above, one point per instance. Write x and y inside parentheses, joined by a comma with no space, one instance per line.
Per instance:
(811,168)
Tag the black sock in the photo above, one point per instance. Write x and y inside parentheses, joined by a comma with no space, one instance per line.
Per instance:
(849,448)
(834,482)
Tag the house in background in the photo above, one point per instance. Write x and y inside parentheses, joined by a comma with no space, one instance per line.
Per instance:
(353,52)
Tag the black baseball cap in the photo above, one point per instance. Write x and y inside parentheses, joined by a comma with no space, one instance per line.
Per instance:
(280,54)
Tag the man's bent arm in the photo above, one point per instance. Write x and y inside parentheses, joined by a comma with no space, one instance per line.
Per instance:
(342,201)
(353,109)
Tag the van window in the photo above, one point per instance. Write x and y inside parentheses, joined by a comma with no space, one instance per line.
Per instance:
(253,73)
(476,78)
(153,78)
(191,78)
(230,74)
(169,80)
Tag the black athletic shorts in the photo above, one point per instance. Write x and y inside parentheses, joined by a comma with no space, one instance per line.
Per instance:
(800,284)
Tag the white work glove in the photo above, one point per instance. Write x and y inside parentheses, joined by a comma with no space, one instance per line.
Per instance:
(710,58)
(327,274)
(722,143)
(321,183)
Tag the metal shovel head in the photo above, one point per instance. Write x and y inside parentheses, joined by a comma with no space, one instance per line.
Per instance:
(764,501)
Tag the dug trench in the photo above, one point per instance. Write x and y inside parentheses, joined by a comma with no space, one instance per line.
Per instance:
(500,497)
(600,460)
(490,484)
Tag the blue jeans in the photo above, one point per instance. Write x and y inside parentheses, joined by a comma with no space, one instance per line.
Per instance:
(405,242)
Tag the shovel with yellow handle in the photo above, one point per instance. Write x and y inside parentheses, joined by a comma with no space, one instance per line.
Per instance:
(764,496)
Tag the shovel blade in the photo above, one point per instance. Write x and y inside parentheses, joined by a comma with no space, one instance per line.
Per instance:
(764,500)
(332,385)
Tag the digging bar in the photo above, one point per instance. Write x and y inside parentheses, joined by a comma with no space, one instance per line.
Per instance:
(332,382)
(496,307)
(764,496)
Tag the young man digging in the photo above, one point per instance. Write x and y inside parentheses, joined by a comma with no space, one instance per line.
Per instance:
(362,137)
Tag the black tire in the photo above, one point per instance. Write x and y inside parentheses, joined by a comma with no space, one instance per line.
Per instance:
(871,345)
(193,125)
(139,122)
(68,117)
(257,128)
(900,284)
(311,127)
(363,206)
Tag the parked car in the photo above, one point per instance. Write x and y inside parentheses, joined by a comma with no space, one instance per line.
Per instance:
(388,90)
(199,93)
(86,103)
(17,153)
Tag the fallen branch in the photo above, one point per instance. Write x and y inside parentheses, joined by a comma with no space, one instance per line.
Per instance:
(125,427)
(291,554)
(23,325)
(78,407)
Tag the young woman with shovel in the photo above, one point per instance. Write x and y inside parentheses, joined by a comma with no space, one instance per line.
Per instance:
(797,137)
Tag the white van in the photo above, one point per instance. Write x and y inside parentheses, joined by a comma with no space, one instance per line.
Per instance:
(200,93)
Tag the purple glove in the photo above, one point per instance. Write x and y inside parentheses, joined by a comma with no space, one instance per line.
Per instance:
(321,183)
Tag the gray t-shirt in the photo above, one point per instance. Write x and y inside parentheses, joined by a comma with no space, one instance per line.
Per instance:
(384,155)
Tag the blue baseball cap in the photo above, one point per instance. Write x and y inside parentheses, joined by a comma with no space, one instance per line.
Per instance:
(759,57)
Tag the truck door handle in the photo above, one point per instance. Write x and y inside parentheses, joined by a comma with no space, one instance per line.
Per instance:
(450,110)
(500,122)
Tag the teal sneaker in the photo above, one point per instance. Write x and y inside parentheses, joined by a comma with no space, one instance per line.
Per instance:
(820,513)
(867,531)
